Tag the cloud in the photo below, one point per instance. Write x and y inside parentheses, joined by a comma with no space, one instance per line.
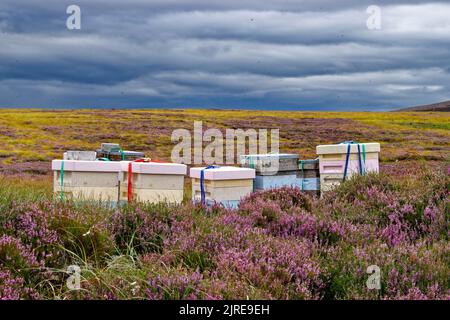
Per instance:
(252,54)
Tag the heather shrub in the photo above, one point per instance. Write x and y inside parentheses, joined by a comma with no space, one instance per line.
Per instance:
(374,200)
(30,224)
(361,200)
(418,266)
(296,222)
(285,197)
(358,187)
(177,284)
(191,240)
(13,287)
(261,213)
(18,258)
(406,268)
(197,209)
(180,283)
(342,274)
(139,230)
(283,269)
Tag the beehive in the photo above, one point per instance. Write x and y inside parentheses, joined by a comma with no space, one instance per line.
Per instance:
(310,176)
(283,170)
(223,185)
(287,178)
(87,180)
(333,158)
(153,182)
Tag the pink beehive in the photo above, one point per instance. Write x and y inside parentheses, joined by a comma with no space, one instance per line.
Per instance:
(340,161)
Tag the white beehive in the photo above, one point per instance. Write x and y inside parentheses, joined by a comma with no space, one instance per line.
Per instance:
(88,180)
(224,185)
(153,181)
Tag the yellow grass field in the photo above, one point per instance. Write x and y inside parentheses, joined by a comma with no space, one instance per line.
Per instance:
(30,138)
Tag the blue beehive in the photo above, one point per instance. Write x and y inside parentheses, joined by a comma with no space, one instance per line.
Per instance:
(291,172)
(291,180)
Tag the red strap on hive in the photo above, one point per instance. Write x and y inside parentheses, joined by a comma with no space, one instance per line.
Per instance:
(130,181)
(130,175)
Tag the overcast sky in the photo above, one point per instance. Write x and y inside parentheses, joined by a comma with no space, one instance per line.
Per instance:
(280,54)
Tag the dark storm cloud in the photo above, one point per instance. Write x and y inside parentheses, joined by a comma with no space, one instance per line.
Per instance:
(286,54)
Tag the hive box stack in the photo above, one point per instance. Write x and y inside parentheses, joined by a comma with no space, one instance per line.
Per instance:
(87,180)
(223,185)
(310,175)
(332,159)
(153,182)
(279,170)
(113,152)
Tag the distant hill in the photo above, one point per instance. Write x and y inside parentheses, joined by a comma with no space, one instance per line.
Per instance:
(441,106)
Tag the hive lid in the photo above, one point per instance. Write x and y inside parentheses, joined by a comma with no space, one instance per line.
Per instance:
(80,155)
(342,148)
(87,166)
(155,168)
(224,173)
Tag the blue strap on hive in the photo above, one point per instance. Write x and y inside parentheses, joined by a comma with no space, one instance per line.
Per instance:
(362,170)
(302,163)
(202,183)
(61,194)
(349,145)
(359,160)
